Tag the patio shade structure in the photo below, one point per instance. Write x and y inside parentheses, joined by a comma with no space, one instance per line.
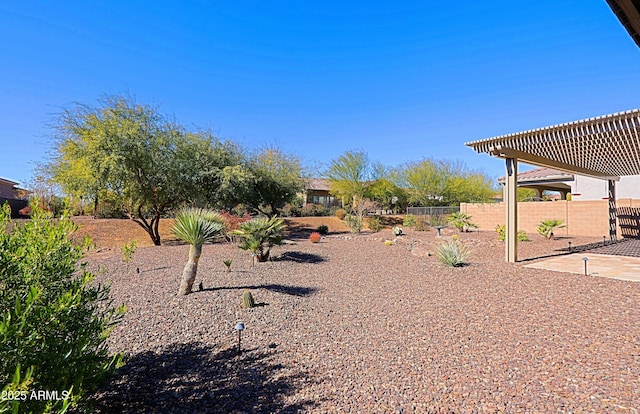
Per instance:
(605,147)
(628,12)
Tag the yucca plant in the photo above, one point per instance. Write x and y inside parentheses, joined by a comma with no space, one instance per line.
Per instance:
(546,227)
(195,226)
(453,253)
(260,235)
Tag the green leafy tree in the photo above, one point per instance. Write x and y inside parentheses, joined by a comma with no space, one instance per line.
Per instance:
(260,235)
(348,175)
(133,152)
(196,226)
(278,179)
(440,183)
(54,320)
(386,194)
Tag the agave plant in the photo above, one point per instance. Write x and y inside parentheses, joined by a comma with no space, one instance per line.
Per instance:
(546,227)
(260,235)
(453,253)
(195,226)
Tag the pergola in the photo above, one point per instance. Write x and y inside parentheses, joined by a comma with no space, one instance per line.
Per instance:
(605,147)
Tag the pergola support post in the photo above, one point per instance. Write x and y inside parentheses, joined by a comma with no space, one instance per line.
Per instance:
(511,199)
(613,215)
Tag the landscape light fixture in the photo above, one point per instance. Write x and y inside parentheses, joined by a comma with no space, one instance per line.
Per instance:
(585,260)
(569,246)
(239,327)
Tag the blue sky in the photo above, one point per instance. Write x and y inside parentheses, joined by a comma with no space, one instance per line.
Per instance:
(399,80)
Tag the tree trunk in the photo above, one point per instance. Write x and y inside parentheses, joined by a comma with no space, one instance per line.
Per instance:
(190,270)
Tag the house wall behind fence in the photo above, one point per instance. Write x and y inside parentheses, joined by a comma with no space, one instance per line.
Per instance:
(583,218)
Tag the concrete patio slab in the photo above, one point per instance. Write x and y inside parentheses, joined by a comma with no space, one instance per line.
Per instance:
(603,265)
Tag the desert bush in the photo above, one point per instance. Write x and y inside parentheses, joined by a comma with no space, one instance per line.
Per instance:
(409,220)
(54,321)
(461,221)
(421,225)
(452,253)
(323,229)
(341,213)
(353,222)
(313,210)
(547,227)
(128,249)
(260,235)
(397,231)
(315,237)
(502,233)
(374,224)
(232,222)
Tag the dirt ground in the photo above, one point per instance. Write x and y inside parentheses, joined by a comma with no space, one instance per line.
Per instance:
(113,233)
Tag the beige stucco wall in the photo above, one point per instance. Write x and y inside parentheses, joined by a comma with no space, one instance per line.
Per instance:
(583,218)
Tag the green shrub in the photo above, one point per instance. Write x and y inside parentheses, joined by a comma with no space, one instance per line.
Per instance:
(54,321)
(502,233)
(546,227)
(353,222)
(323,229)
(374,224)
(260,235)
(452,253)
(461,221)
(341,213)
(128,249)
(409,220)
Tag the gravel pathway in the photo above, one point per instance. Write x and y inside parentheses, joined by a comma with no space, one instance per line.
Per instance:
(352,325)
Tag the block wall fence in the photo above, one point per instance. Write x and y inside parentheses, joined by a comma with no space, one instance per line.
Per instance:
(583,218)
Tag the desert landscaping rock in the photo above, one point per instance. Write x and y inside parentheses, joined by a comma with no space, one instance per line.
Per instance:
(353,325)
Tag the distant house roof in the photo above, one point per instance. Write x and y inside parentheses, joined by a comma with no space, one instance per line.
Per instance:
(628,12)
(541,175)
(319,184)
(9,182)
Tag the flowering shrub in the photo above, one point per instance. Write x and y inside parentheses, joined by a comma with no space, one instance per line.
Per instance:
(315,237)
(232,222)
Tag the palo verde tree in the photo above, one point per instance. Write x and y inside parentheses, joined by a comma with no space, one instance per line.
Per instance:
(128,149)
(442,183)
(348,175)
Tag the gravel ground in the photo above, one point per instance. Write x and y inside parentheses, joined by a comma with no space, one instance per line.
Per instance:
(352,325)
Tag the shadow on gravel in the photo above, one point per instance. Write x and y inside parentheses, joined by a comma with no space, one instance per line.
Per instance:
(287,290)
(299,257)
(596,247)
(198,378)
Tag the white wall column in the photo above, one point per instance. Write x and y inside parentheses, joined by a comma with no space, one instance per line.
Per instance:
(511,200)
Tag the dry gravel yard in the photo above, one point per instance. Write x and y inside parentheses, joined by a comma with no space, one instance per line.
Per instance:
(352,325)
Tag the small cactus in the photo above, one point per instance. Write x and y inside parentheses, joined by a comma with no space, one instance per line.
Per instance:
(247,300)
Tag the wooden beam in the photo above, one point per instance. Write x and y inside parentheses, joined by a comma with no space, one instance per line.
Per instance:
(539,161)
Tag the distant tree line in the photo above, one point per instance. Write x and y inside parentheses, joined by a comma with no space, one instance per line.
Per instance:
(145,166)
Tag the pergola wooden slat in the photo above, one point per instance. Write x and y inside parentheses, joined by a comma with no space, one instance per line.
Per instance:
(605,147)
